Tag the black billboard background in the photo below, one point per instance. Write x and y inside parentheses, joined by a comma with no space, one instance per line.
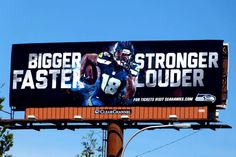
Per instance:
(23,98)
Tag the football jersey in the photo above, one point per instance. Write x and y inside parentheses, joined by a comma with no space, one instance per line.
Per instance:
(112,81)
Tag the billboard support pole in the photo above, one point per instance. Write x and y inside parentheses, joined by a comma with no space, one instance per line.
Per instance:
(114,140)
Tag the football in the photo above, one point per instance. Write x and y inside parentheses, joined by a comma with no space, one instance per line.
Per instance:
(90,74)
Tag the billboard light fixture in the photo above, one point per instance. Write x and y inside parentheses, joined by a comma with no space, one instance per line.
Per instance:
(124,117)
(173,117)
(31,117)
(78,117)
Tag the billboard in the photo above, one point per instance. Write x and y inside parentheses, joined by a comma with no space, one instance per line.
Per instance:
(119,73)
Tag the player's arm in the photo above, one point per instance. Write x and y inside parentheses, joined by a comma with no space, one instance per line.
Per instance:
(130,87)
(131,81)
(92,57)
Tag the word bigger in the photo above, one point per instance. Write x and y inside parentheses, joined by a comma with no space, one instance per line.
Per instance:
(51,67)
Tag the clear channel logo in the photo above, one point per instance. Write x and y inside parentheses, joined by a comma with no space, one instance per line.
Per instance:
(205,98)
(110,111)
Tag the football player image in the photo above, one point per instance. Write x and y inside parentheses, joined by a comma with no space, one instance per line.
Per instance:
(114,76)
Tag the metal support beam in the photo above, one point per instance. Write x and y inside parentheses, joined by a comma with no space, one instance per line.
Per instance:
(20,124)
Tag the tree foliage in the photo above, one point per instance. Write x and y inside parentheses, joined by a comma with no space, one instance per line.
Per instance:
(6,138)
(91,148)
(6,141)
(1,100)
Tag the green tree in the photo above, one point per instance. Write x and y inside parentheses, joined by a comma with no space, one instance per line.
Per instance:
(1,100)
(6,138)
(91,148)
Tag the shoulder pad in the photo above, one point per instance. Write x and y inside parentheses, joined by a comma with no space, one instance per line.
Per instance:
(104,55)
(104,58)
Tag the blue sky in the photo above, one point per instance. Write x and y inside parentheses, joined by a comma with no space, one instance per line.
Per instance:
(44,21)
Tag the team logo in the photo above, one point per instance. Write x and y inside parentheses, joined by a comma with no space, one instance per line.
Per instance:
(206,98)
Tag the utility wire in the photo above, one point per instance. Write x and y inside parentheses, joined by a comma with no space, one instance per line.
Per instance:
(5,112)
(160,147)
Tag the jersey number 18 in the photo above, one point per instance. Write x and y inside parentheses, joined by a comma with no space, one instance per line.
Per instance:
(110,84)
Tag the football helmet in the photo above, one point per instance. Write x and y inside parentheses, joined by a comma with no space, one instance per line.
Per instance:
(123,52)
